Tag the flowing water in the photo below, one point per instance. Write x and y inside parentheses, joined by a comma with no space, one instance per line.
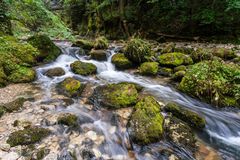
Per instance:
(222,130)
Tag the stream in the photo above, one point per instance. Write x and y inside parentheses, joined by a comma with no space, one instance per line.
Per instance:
(222,130)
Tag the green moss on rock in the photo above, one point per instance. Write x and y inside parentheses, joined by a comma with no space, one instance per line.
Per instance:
(5,23)
(138,50)
(48,50)
(192,118)
(224,53)
(55,72)
(101,43)
(27,136)
(115,96)
(180,68)
(178,76)
(149,68)
(174,59)
(213,81)
(71,87)
(68,119)
(146,122)
(201,54)
(84,44)
(165,71)
(22,75)
(121,62)
(14,105)
(83,68)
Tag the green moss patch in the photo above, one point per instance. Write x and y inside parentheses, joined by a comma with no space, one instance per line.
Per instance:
(68,119)
(149,68)
(146,123)
(174,59)
(83,68)
(71,87)
(121,62)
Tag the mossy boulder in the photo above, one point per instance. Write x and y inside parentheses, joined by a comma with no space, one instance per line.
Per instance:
(164,71)
(146,122)
(83,68)
(201,54)
(121,62)
(68,119)
(149,68)
(71,87)
(100,55)
(180,68)
(101,43)
(180,133)
(192,118)
(174,59)
(22,75)
(224,53)
(48,50)
(115,96)
(215,82)
(27,136)
(84,44)
(178,76)
(55,72)
(138,50)
(14,105)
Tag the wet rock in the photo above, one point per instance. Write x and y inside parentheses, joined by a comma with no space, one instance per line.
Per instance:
(180,68)
(71,87)
(165,71)
(190,117)
(14,105)
(146,123)
(180,133)
(174,59)
(84,44)
(83,68)
(178,76)
(121,62)
(100,55)
(27,136)
(87,154)
(101,43)
(55,72)
(149,68)
(115,96)
(224,53)
(137,50)
(48,50)
(68,119)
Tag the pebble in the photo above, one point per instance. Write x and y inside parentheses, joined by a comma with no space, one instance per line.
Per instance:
(5,147)
(51,156)
(9,156)
(91,135)
(113,130)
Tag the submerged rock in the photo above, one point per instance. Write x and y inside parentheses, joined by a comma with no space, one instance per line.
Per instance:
(180,133)
(14,105)
(146,122)
(55,72)
(149,68)
(115,96)
(68,119)
(71,87)
(121,62)
(192,118)
(174,59)
(83,68)
(48,50)
(137,50)
(27,136)
(100,55)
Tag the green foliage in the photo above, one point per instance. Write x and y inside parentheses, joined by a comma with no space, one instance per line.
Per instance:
(101,43)
(146,122)
(213,81)
(27,136)
(83,68)
(149,68)
(138,50)
(5,24)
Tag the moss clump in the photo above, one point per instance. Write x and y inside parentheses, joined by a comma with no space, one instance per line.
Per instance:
(14,105)
(178,76)
(101,43)
(5,23)
(121,62)
(83,68)
(192,118)
(48,50)
(149,68)
(174,59)
(22,75)
(55,72)
(115,96)
(180,68)
(138,50)
(71,87)
(180,133)
(146,122)
(100,55)
(201,54)
(84,44)
(27,136)
(224,53)
(68,119)
(3,78)
(213,81)
(165,71)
